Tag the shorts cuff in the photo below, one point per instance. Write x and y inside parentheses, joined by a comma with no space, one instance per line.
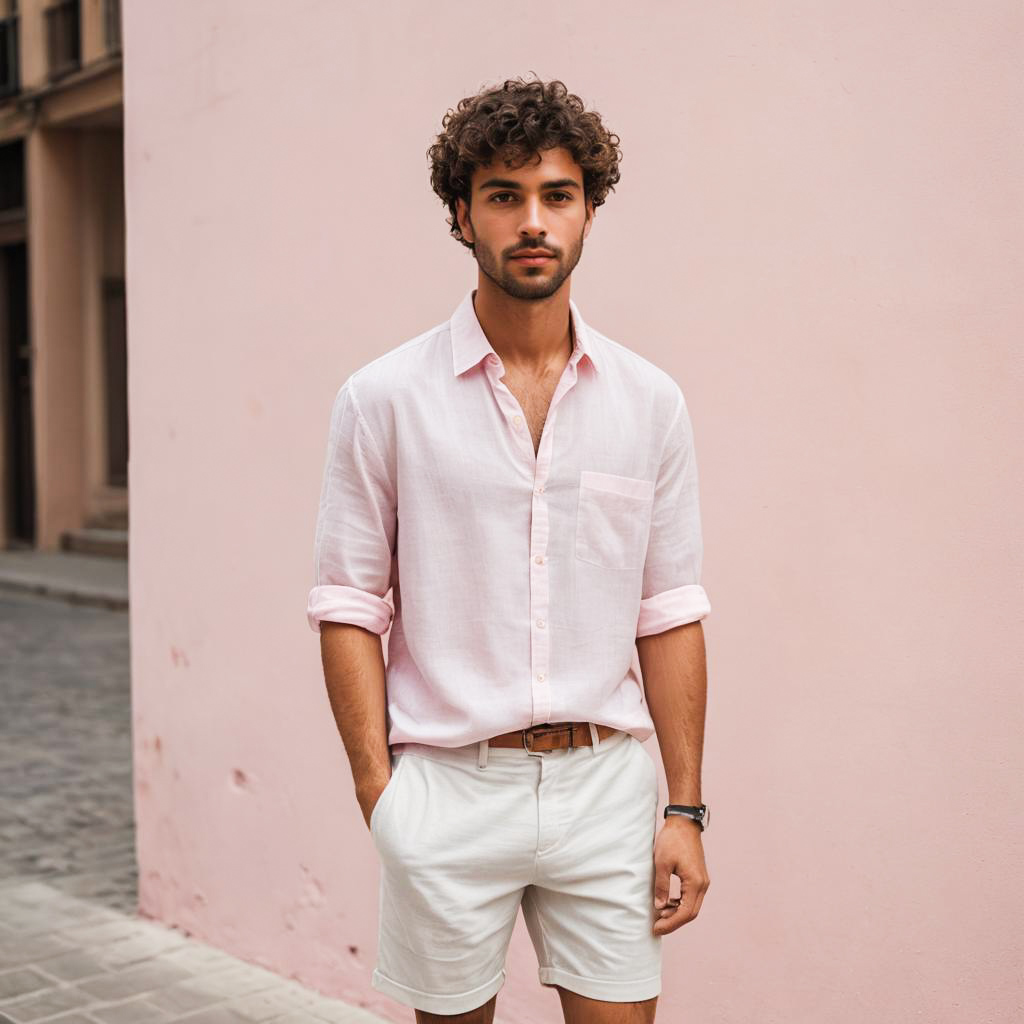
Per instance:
(596,988)
(434,1003)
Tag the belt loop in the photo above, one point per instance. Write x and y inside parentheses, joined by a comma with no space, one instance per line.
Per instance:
(595,738)
(481,759)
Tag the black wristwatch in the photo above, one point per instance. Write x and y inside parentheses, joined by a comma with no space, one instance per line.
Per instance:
(701,815)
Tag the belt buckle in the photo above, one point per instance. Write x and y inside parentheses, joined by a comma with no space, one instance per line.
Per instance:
(539,730)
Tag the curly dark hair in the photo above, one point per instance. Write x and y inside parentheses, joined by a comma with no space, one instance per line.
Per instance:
(519,118)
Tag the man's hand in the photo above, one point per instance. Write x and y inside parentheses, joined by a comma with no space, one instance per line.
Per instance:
(678,850)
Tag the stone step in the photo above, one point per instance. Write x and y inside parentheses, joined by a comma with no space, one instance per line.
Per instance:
(110,519)
(96,540)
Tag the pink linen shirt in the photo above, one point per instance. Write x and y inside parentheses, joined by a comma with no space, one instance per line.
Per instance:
(520,581)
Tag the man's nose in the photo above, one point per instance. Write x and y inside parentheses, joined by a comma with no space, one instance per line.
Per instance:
(532,222)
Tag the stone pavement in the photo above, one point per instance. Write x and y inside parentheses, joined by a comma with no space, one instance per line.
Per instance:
(71,946)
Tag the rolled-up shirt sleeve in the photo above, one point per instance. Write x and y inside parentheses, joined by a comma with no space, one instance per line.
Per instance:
(356,525)
(672,594)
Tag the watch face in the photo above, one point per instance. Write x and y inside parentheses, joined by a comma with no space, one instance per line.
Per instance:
(706,816)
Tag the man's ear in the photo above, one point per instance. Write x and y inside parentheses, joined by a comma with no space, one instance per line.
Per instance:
(591,213)
(462,219)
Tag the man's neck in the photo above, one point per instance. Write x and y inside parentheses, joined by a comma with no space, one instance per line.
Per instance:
(532,337)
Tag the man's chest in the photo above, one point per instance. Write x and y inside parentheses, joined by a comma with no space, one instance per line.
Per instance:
(534,398)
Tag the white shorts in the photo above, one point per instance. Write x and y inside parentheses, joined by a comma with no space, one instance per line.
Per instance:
(467,834)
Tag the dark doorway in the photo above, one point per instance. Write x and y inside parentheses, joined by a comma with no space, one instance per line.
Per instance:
(15,351)
(115,372)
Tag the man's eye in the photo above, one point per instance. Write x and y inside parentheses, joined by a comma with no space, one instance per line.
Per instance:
(498,196)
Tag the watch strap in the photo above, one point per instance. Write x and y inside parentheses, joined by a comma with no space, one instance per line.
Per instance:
(698,814)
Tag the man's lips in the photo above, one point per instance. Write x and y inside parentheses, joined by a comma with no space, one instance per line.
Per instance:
(536,256)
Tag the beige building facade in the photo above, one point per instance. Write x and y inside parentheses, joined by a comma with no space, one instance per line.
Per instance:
(63,354)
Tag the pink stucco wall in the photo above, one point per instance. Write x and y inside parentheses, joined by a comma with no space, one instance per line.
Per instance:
(818,232)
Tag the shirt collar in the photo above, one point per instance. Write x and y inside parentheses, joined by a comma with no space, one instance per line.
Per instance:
(470,344)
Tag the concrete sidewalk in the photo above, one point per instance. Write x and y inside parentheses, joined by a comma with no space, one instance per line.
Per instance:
(83,579)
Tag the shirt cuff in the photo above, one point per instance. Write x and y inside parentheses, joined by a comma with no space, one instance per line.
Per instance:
(348,604)
(672,608)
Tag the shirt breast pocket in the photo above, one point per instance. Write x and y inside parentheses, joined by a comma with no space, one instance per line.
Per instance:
(613,519)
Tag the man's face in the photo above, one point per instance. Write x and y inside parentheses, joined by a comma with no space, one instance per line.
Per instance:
(539,206)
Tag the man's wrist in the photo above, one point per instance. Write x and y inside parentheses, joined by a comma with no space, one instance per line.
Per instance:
(372,783)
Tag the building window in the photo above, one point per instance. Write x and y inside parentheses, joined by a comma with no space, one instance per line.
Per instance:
(63,37)
(9,74)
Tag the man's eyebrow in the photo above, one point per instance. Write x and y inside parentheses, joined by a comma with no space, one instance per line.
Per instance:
(509,183)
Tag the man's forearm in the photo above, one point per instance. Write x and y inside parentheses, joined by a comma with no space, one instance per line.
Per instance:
(355,675)
(675,683)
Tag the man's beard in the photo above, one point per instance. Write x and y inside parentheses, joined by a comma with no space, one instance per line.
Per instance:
(526,286)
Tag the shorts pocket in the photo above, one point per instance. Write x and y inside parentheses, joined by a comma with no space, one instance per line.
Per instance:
(650,767)
(386,794)
(648,794)
(613,519)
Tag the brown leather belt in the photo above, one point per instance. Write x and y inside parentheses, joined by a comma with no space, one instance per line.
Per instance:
(551,736)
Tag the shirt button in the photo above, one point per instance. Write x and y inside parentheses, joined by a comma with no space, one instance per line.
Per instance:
(540,623)
(540,677)
(539,490)
(539,559)
(517,420)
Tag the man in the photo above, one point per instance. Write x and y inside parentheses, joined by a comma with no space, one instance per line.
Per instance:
(527,488)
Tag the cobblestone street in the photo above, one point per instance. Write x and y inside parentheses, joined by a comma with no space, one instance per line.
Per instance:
(71,946)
